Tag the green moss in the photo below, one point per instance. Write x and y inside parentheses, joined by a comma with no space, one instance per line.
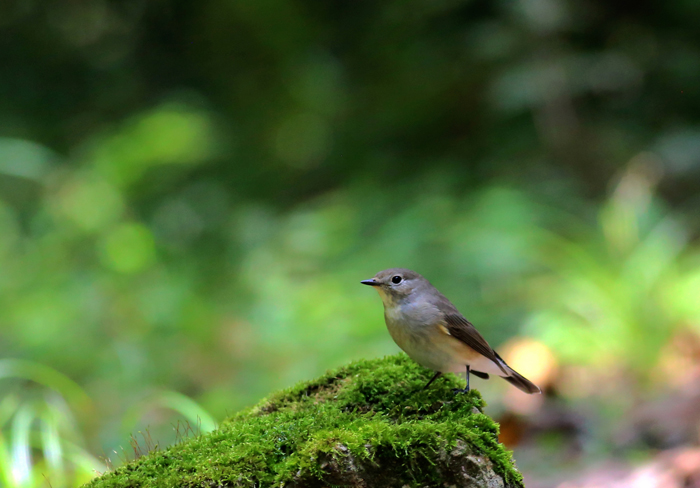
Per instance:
(369,419)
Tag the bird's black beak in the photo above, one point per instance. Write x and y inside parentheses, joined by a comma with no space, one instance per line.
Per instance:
(371,282)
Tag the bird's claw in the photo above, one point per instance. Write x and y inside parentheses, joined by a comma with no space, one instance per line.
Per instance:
(457,391)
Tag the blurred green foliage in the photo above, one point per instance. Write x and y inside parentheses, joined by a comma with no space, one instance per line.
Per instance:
(40,422)
(190,193)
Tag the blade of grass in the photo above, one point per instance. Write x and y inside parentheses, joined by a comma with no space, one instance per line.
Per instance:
(21,451)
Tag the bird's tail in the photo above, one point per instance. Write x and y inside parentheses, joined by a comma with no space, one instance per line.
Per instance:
(520,382)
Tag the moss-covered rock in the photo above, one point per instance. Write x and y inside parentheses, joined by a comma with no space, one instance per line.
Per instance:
(368,424)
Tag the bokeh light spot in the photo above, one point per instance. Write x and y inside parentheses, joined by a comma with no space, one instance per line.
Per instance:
(128,248)
(531,358)
(25,159)
(92,204)
(170,134)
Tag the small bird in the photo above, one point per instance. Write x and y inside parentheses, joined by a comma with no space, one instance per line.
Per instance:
(434,334)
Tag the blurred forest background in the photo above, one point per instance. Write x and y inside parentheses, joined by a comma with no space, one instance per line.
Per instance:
(190,193)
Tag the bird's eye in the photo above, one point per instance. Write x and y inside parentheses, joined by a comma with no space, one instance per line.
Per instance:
(396,280)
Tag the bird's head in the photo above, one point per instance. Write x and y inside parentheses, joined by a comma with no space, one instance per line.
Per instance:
(396,284)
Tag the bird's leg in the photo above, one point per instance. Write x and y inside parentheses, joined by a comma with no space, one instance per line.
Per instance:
(437,375)
(463,390)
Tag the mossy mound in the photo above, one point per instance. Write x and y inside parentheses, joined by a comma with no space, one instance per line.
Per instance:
(368,424)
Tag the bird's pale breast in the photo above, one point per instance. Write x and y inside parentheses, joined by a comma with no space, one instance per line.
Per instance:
(418,329)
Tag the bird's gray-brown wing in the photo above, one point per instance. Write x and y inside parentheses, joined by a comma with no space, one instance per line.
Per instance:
(460,328)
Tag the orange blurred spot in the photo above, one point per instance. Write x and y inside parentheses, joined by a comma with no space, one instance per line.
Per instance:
(679,361)
(536,362)
(531,359)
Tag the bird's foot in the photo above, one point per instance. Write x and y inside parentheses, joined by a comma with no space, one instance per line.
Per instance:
(457,391)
